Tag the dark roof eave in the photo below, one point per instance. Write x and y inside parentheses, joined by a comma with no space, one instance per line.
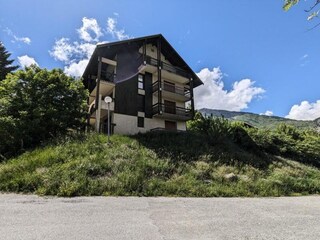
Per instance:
(128,40)
(89,63)
(197,82)
(189,68)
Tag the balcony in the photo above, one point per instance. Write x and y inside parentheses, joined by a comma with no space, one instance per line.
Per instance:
(104,109)
(106,86)
(108,76)
(171,112)
(172,92)
(169,71)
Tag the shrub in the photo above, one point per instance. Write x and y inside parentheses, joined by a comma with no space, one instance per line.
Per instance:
(38,105)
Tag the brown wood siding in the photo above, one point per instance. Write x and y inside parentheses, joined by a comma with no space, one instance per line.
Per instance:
(170,125)
(148,94)
(126,100)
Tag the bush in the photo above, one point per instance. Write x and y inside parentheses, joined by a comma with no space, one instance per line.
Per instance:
(216,130)
(285,140)
(38,105)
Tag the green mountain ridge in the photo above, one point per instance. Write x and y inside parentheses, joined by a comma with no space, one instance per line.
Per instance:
(260,121)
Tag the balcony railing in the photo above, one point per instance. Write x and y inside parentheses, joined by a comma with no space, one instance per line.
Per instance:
(173,69)
(107,76)
(164,109)
(165,66)
(183,91)
(151,61)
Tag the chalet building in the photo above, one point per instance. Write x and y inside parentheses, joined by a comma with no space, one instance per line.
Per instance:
(148,81)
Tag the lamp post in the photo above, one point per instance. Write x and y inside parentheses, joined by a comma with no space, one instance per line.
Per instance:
(108,100)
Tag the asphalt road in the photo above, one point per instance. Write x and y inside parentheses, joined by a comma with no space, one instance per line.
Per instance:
(32,217)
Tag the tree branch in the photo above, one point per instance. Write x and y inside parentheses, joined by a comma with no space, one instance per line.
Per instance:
(315,4)
(317,25)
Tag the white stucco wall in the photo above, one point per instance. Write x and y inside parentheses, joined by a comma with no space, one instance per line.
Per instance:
(182,126)
(128,125)
(125,124)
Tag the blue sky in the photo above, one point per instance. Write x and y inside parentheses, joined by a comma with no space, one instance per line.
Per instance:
(252,55)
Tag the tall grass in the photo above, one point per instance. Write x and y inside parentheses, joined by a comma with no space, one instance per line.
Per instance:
(164,164)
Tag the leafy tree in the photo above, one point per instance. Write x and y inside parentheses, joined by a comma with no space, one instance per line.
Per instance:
(312,9)
(289,3)
(37,105)
(5,63)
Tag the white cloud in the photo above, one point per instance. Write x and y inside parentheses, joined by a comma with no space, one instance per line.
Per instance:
(267,113)
(75,55)
(86,48)
(304,56)
(111,25)
(67,52)
(76,69)
(305,111)
(25,40)
(89,28)
(26,61)
(213,95)
(304,60)
(62,50)
(70,52)
(112,29)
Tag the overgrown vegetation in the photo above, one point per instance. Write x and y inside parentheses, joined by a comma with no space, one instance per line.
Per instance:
(215,158)
(37,105)
(285,140)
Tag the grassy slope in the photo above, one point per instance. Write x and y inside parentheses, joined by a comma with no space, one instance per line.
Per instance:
(163,164)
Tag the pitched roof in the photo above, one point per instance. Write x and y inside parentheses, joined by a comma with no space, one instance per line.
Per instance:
(110,49)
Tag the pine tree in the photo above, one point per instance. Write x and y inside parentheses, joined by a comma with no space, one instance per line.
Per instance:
(5,63)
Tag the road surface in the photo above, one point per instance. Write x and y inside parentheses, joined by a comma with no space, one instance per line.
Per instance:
(32,217)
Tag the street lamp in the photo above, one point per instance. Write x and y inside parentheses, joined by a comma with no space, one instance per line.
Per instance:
(108,100)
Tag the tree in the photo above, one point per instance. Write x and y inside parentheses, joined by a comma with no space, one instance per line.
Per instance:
(5,63)
(37,105)
(289,3)
(312,13)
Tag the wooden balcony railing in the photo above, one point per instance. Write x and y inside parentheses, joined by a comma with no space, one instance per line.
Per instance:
(165,66)
(107,76)
(169,109)
(183,91)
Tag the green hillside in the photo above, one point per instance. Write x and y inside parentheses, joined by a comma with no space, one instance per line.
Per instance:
(260,121)
(216,158)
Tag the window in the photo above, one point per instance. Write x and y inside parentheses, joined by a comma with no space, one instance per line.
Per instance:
(140,81)
(141,103)
(169,107)
(141,122)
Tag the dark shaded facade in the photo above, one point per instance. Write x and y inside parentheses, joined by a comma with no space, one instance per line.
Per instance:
(149,82)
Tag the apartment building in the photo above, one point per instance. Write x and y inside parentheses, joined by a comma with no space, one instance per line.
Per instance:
(151,86)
